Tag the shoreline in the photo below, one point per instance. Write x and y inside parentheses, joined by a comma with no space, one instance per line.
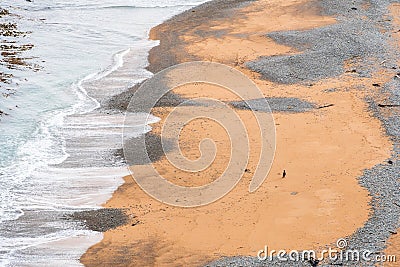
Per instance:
(58,157)
(334,194)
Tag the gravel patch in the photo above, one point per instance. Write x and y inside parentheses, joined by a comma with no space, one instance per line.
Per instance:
(357,39)
(276,104)
(100,220)
(121,101)
(154,149)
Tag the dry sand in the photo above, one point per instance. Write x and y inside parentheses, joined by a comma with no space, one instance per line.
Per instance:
(323,152)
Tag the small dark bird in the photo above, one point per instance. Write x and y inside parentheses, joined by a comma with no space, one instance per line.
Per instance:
(313,262)
(284,174)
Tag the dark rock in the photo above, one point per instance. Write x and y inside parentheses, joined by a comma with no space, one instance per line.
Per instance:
(100,220)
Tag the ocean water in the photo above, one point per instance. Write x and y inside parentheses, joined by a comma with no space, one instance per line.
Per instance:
(56,147)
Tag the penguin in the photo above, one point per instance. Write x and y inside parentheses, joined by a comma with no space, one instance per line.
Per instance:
(284,174)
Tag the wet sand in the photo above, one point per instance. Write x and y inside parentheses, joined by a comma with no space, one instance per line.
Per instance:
(324,150)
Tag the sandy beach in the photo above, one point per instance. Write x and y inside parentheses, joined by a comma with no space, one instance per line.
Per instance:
(300,52)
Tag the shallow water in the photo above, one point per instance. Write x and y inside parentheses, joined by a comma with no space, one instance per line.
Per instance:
(57,150)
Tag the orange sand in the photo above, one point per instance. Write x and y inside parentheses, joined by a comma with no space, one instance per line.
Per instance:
(323,151)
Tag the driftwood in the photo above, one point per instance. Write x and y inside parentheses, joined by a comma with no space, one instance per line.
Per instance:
(388,105)
(326,106)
